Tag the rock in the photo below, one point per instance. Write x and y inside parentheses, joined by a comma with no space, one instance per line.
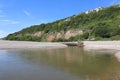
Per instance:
(117,55)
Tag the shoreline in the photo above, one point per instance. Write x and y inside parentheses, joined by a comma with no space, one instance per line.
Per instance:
(101,45)
(88,45)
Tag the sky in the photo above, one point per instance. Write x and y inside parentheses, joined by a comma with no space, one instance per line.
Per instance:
(18,14)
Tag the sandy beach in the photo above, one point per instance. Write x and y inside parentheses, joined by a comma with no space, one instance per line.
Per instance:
(88,45)
(27,44)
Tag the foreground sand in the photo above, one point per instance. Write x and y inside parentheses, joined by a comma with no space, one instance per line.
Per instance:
(26,44)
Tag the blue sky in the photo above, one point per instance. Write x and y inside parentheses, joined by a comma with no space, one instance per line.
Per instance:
(18,14)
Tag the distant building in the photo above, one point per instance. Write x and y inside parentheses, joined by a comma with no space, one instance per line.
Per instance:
(86,12)
(97,10)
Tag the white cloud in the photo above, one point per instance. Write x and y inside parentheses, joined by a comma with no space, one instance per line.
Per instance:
(26,13)
(3,34)
(9,21)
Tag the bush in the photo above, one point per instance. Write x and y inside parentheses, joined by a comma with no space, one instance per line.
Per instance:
(60,40)
(117,37)
(85,35)
(102,30)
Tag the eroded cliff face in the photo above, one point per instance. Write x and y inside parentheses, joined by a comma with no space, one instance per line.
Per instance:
(65,35)
(38,34)
(72,33)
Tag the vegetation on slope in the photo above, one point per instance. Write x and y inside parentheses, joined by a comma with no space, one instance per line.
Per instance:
(99,24)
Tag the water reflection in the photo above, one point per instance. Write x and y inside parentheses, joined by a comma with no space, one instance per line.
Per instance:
(74,61)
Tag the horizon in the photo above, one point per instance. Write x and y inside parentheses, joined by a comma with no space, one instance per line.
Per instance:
(19,14)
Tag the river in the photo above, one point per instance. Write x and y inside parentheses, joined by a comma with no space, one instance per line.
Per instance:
(70,63)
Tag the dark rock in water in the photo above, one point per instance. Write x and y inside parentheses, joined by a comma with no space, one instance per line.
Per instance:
(80,44)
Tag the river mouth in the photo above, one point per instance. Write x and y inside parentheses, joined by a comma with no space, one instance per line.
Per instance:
(70,63)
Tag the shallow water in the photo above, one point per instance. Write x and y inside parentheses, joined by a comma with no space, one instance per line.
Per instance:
(58,64)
